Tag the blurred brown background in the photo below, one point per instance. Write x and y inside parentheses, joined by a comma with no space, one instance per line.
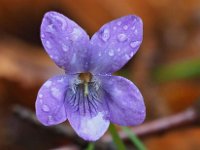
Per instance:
(166,68)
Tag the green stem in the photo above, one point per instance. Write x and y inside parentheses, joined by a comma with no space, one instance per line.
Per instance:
(116,139)
(90,146)
(136,141)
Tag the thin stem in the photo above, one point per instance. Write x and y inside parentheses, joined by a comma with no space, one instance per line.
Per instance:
(116,139)
(90,146)
(136,141)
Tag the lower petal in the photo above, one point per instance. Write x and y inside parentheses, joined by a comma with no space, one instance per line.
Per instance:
(87,113)
(49,105)
(125,102)
(89,128)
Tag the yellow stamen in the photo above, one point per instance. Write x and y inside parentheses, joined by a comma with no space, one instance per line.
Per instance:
(86,78)
(86,90)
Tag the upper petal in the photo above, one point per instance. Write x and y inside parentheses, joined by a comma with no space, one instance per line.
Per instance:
(49,105)
(125,102)
(65,42)
(87,113)
(115,43)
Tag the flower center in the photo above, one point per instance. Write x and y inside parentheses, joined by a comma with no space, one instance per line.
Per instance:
(86,78)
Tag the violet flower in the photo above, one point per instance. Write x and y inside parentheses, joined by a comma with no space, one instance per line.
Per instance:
(88,95)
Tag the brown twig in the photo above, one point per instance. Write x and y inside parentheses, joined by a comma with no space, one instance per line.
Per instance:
(186,117)
(63,129)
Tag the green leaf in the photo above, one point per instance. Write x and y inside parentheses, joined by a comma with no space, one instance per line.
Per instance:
(134,139)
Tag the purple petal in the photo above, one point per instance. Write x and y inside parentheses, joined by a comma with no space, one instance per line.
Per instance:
(87,113)
(115,43)
(90,129)
(65,42)
(125,102)
(49,105)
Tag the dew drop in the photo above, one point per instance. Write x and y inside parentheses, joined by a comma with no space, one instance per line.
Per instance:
(136,32)
(135,44)
(40,95)
(65,47)
(125,27)
(63,22)
(127,57)
(131,54)
(42,36)
(76,33)
(133,28)
(50,28)
(50,119)
(119,23)
(111,52)
(55,92)
(48,84)
(45,108)
(105,35)
(121,37)
(60,80)
(48,44)
(51,56)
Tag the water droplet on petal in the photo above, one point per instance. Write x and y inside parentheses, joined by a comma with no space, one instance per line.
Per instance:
(50,28)
(125,27)
(45,108)
(63,22)
(65,47)
(133,28)
(136,32)
(42,36)
(114,28)
(122,37)
(60,80)
(40,95)
(105,35)
(131,54)
(119,23)
(127,57)
(111,52)
(48,44)
(76,33)
(118,49)
(50,119)
(135,44)
(56,92)
(48,84)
